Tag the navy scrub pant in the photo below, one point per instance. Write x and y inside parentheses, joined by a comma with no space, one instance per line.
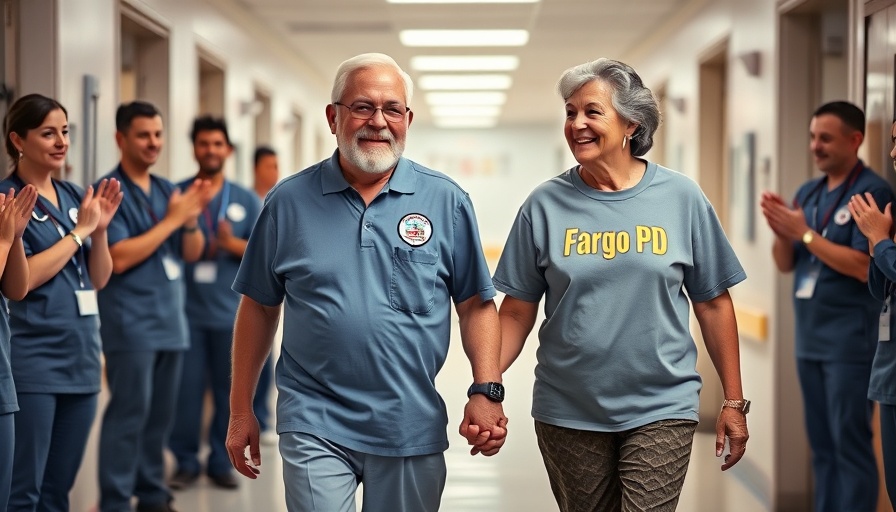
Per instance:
(888,443)
(143,388)
(838,424)
(7,445)
(52,431)
(206,363)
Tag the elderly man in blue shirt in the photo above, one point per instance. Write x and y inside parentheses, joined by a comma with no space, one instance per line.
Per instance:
(365,252)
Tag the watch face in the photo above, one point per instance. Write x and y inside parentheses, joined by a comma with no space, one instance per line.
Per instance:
(495,391)
(746,408)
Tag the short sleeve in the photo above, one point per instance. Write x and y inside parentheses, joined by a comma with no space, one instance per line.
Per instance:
(470,273)
(715,267)
(518,273)
(257,277)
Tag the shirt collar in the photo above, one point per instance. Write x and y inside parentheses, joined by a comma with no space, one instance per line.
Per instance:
(403,179)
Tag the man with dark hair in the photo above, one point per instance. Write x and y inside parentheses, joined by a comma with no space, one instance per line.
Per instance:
(143,327)
(819,241)
(211,308)
(266,175)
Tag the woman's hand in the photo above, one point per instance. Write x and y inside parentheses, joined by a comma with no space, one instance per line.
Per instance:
(89,214)
(873,223)
(109,196)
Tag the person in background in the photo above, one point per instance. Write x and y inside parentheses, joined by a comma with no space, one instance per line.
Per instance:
(55,344)
(211,306)
(817,239)
(877,226)
(619,248)
(144,326)
(365,252)
(266,175)
(15,212)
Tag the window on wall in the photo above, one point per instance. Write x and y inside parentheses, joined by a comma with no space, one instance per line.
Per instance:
(262,112)
(211,85)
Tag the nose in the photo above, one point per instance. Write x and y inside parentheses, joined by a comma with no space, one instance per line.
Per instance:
(378,118)
(893,152)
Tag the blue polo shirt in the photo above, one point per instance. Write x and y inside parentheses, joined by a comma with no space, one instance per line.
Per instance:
(212,303)
(141,309)
(8,401)
(838,323)
(53,348)
(367,302)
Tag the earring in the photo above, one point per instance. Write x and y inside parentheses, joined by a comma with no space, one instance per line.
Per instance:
(624,140)
(23,154)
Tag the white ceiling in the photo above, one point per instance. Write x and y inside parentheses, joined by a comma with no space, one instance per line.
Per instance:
(562,33)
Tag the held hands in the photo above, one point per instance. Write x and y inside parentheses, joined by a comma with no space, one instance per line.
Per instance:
(874,224)
(242,432)
(733,425)
(484,425)
(784,221)
(15,212)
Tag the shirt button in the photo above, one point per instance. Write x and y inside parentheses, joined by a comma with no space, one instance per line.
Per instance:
(367,225)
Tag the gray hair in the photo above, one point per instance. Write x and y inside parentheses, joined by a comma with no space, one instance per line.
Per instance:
(631,99)
(368,60)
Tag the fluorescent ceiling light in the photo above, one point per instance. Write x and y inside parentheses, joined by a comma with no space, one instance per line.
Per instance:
(466,98)
(464,82)
(465,110)
(465,122)
(462,1)
(465,63)
(463,37)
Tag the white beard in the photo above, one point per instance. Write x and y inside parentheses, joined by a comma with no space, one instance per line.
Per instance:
(376,161)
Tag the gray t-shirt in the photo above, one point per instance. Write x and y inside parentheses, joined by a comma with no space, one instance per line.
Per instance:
(615,351)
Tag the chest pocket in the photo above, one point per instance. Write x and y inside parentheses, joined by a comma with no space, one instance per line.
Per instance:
(413,280)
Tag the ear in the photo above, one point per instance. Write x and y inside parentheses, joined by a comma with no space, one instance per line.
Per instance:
(410,117)
(119,138)
(16,141)
(857,139)
(331,117)
(631,128)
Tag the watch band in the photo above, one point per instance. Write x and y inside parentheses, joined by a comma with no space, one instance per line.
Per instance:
(741,405)
(76,238)
(494,391)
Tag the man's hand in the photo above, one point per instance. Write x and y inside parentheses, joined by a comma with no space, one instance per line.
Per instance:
(242,432)
(785,222)
(484,425)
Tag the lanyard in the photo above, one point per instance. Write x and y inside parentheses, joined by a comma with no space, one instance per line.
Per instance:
(78,257)
(816,190)
(140,196)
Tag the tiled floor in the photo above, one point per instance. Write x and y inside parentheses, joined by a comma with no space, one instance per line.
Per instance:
(512,481)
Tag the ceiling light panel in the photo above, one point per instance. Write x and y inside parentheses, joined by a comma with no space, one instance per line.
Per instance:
(465,62)
(465,122)
(466,98)
(463,37)
(465,110)
(464,82)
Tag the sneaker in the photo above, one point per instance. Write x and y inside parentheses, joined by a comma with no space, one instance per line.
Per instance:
(182,479)
(224,481)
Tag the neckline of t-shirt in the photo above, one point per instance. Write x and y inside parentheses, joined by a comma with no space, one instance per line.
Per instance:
(619,195)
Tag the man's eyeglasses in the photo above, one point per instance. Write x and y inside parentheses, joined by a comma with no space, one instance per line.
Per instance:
(393,113)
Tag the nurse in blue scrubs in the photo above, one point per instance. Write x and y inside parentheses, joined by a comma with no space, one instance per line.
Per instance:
(15,211)
(877,226)
(55,344)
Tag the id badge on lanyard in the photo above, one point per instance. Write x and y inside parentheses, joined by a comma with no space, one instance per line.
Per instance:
(883,324)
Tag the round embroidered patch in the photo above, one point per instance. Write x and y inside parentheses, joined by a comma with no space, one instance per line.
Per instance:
(842,216)
(236,212)
(415,229)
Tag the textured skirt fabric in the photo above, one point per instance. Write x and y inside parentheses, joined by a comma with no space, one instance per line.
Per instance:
(633,470)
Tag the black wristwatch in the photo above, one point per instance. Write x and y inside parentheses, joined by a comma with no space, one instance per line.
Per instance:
(494,391)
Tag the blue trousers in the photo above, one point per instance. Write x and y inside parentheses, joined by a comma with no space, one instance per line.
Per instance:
(888,443)
(838,423)
(206,364)
(7,445)
(52,431)
(143,387)
(323,476)
(260,402)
